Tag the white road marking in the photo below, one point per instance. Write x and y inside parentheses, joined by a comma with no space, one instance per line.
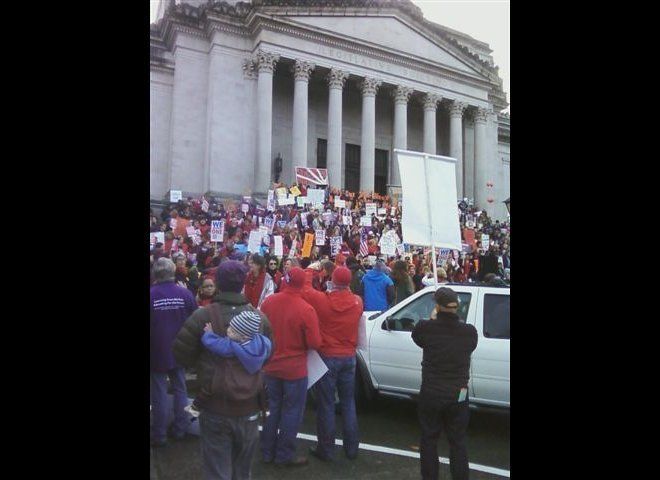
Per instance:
(407,453)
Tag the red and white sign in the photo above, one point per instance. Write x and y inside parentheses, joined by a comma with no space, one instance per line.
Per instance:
(311,176)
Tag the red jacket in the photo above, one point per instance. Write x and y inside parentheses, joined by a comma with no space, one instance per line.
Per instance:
(295,330)
(339,315)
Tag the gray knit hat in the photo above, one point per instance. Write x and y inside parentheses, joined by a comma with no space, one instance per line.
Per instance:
(246,323)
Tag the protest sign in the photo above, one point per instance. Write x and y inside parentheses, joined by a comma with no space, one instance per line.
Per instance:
(281,223)
(269,222)
(292,251)
(370,209)
(327,217)
(307,245)
(263,230)
(400,249)
(347,220)
(270,204)
(316,195)
(205,206)
(388,244)
(319,207)
(280,192)
(382,212)
(320,237)
(290,200)
(485,241)
(190,231)
(316,367)
(303,220)
(217,230)
(254,241)
(339,203)
(245,207)
(175,196)
(300,200)
(365,221)
(335,245)
(311,176)
(279,250)
(295,191)
(371,259)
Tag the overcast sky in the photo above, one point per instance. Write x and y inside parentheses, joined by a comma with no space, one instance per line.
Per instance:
(485,20)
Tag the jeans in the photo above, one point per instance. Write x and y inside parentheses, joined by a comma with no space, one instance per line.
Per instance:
(341,377)
(228,445)
(286,402)
(159,403)
(452,417)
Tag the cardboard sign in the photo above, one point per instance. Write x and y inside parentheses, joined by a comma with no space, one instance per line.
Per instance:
(307,245)
(295,191)
(316,367)
(190,231)
(254,242)
(370,209)
(335,245)
(339,203)
(217,230)
(270,203)
(175,196)
(320,237)
(365,221)
(316,195)
(279,249)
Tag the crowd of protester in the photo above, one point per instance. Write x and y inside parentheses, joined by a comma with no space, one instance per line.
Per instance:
(186,227)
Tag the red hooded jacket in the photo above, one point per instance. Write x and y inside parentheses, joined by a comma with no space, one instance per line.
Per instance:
(339,315)
(295,329)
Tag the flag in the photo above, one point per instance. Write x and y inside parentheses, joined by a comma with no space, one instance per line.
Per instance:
(364,248)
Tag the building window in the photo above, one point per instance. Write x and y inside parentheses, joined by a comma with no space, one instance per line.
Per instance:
(497,321)
(380,180)
(321,153)
(352,173)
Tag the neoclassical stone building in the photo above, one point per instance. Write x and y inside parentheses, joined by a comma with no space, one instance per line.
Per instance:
(336,84)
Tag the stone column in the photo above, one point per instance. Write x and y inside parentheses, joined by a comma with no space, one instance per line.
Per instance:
(456,141)
(301,70)
(369,87)
(336,80)
(430,106)
(266,65)
(401,96)
(481,148)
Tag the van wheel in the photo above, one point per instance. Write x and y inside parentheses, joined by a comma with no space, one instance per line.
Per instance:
(364,394)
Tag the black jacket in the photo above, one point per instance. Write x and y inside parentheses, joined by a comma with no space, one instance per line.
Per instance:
(447,344)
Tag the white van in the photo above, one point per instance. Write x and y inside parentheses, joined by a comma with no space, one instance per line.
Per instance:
(389,362)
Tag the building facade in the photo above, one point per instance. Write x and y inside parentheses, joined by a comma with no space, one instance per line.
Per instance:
(336,84)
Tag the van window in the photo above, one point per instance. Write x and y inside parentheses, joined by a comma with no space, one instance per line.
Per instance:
(420,309)
(497,316)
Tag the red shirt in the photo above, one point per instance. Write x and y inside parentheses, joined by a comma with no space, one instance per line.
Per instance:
(339,315)
(295,330)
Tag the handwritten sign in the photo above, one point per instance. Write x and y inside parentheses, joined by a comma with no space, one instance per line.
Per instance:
(365,221)
(339,203)
(254,241)
(388,244)
(295,191)
(316,195)
(217,230)
(320,237)
(370,209)
(307,245)
(279,249)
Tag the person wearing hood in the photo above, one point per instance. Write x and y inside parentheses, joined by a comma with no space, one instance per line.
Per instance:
(378,289)
(296,330)
(339,311)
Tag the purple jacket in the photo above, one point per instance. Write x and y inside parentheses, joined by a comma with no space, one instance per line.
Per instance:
(170,306)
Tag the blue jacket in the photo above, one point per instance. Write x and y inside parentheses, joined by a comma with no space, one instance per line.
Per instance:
(375,290)
(252,354)
(170,306)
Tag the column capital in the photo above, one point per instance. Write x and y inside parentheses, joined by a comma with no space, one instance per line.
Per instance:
(249,69)
(431,101)
(401,95)
(337,78)
(302,70)
(481,115)
(457,108)
(369,86)
(266,61)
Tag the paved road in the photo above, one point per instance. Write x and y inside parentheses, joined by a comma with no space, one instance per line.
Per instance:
(388,423)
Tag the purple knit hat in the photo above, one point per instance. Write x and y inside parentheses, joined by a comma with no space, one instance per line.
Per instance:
(230,276)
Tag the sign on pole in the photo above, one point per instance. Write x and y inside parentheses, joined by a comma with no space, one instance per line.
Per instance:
(217,230)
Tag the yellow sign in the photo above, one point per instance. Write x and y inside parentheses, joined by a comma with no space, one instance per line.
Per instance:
(307,246)
(295,190)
